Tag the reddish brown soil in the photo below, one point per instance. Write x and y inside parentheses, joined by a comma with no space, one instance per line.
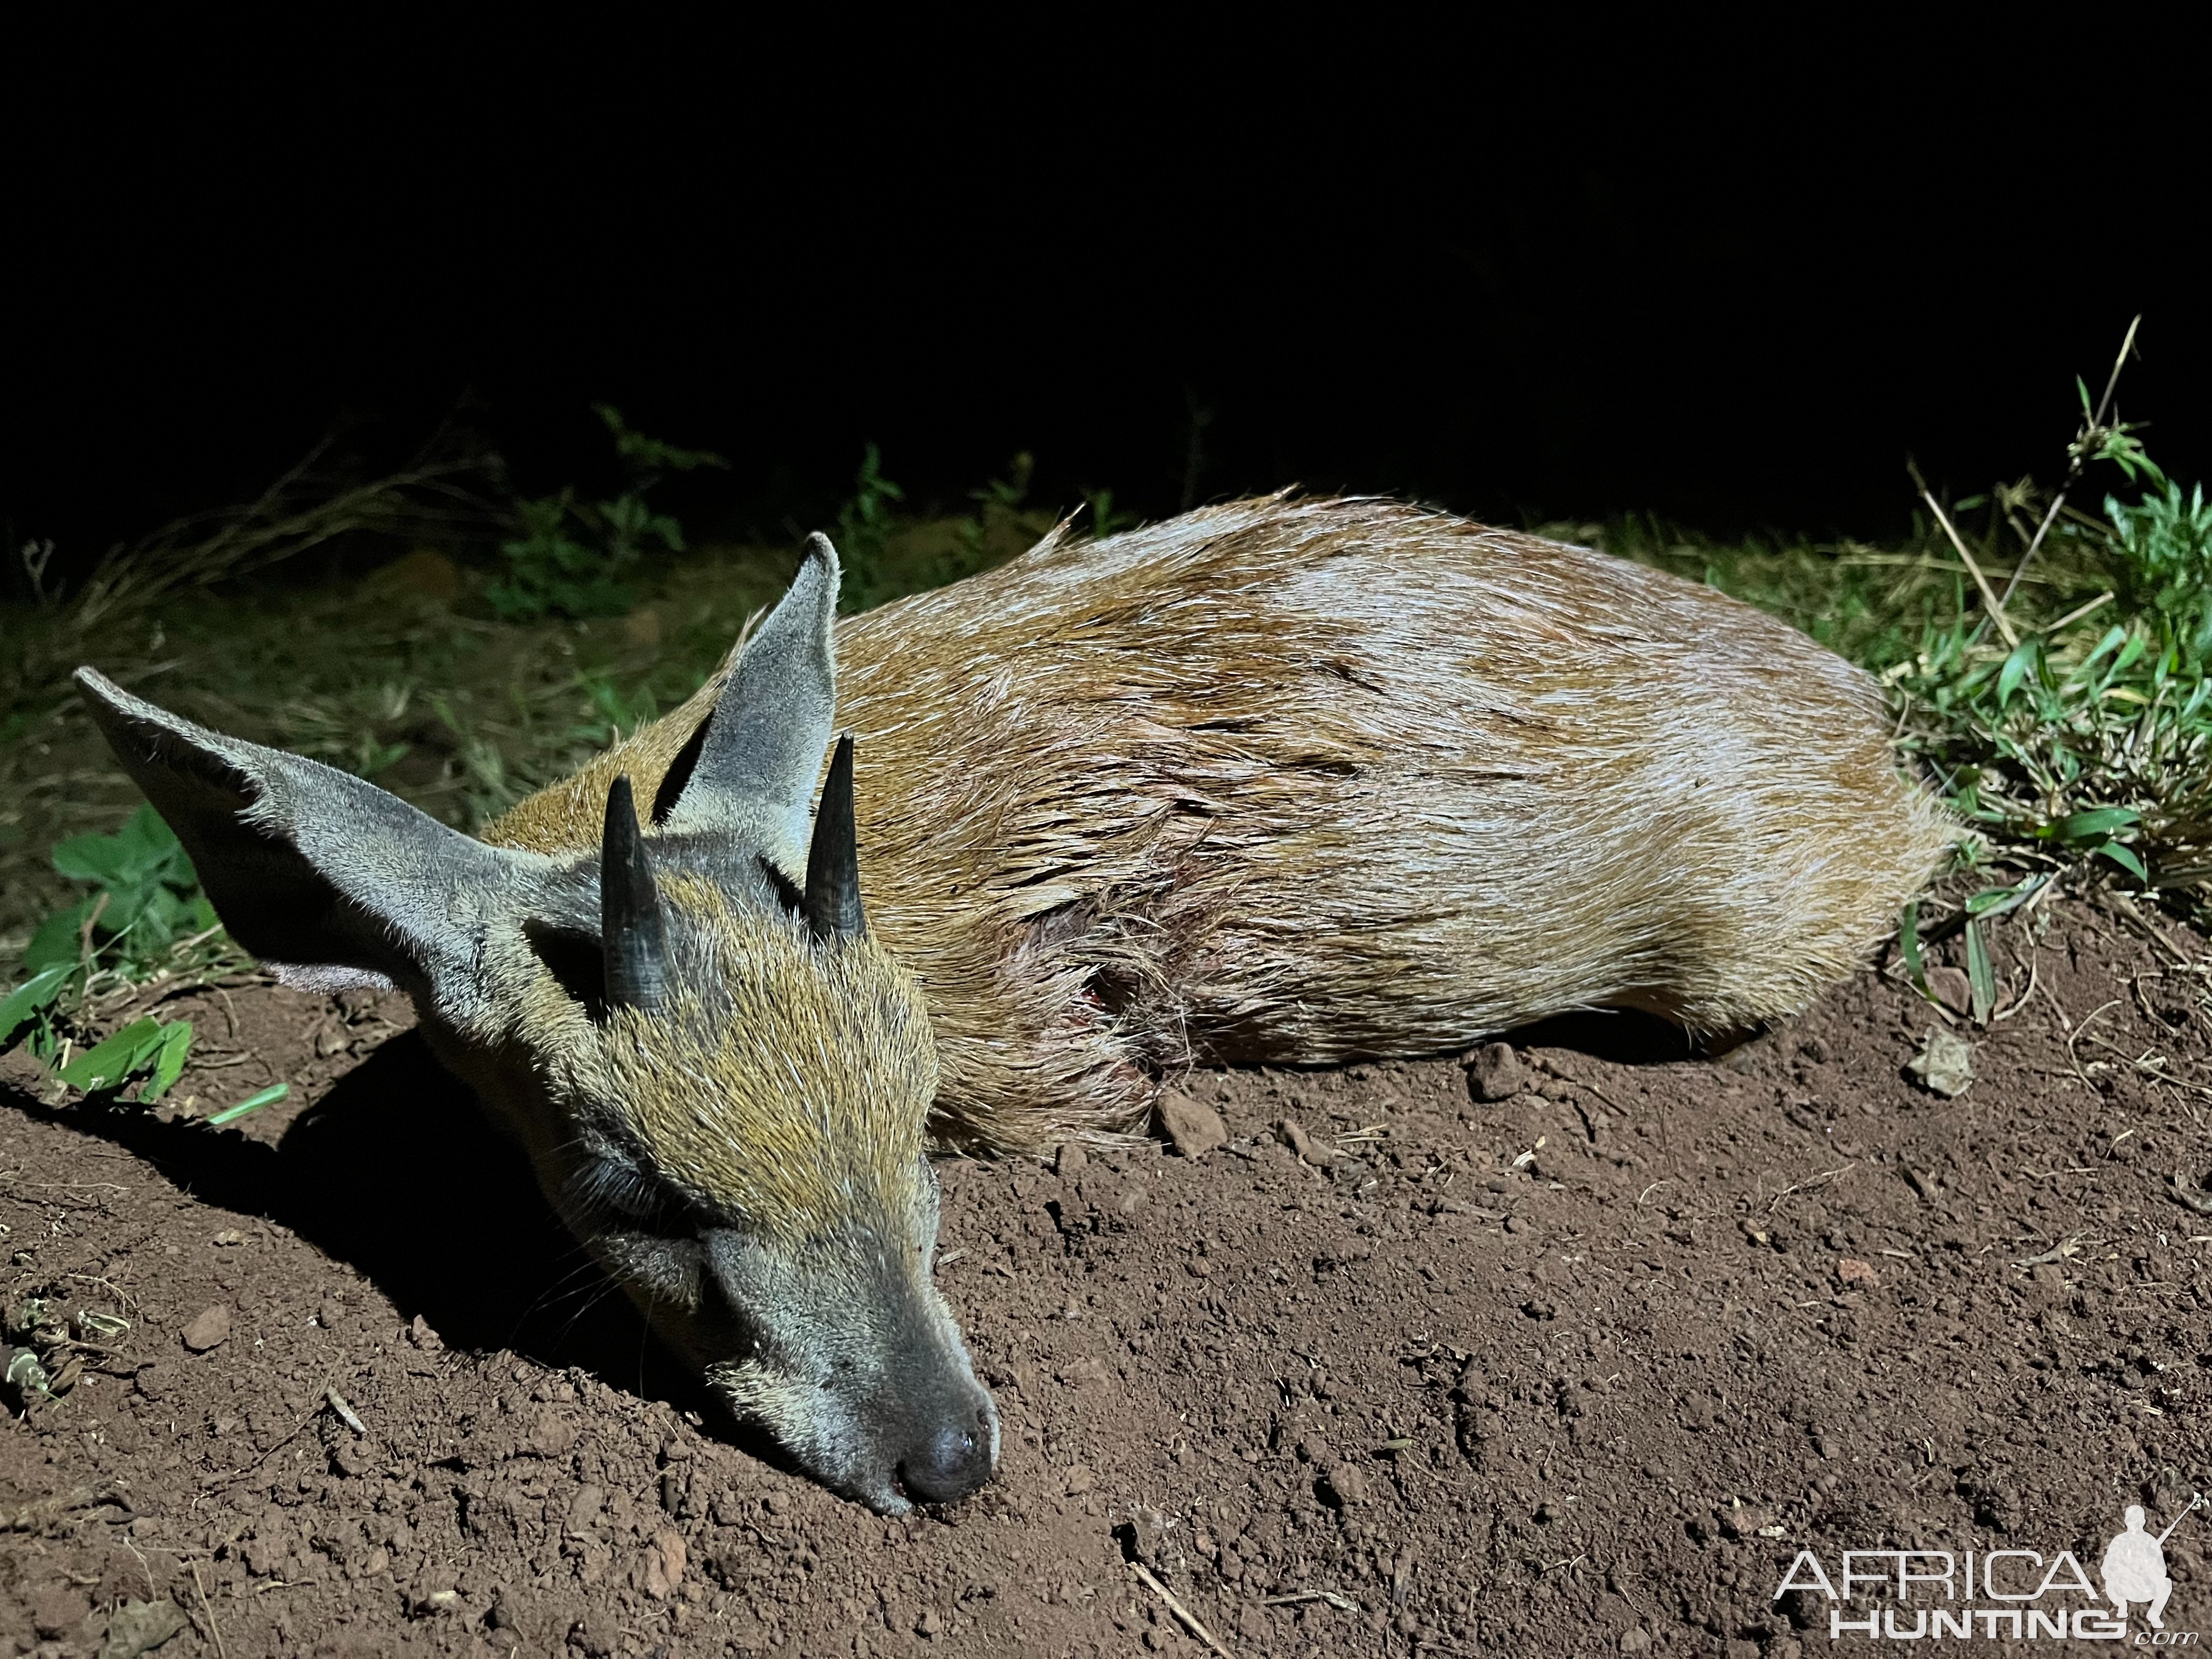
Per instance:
(1593,1401)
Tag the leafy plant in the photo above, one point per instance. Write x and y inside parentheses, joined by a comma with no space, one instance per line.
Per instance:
(864,528)
(570,558)
(2164,540)
(145,914)
(997,502)
(146,899)
(610,715)
(1105,519)
(2089,739)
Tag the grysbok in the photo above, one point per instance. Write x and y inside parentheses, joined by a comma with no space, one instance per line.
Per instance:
(1288,781)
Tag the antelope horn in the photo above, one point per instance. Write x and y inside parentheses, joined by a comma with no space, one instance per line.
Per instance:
(833,859)
(630,910)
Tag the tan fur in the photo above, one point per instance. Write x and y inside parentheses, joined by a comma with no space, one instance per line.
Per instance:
(1300,780)
(741,1058)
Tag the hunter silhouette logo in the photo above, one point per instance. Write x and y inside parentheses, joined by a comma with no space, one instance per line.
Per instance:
(2133,1567)
(2022,1594)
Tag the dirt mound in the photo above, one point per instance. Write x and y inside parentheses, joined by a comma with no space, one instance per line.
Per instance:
(1580,1367)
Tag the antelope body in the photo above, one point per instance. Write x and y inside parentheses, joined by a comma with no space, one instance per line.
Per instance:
(1287,781)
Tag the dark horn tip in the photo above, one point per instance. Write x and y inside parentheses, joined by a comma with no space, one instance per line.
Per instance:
(833,859)
(630,931)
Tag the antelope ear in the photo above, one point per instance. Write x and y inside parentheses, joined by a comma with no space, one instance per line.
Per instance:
(326,877)
(761,749)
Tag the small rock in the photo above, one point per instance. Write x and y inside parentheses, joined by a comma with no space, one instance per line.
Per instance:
(1950,987)
(210,1328)
(662,1569)
(1196,1128)
(1636,1641)
(928,1625)
(584,1508)
(1079,1480)
(1742,1522)
(270,1547)
(1130,1203)
(1945,1064)
(422,1336)
(229,1235)
(329,1316)
(376,1562)
(1294,1136)
(1346,1485)
(1494,1071)
(1851,1271)
(1070,1161)
(552,1434)
(140,1627)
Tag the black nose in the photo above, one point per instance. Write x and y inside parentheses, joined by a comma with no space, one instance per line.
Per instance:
(953,1462)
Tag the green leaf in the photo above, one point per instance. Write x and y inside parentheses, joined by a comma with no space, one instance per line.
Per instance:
(107,1063)
(102,859)
(55,943)
(268,1096)
(2126,859)
(30,999)
(2016,668)
(169,1062)
(1988,899)
(1908,944)
(2098,821)
(1979,977)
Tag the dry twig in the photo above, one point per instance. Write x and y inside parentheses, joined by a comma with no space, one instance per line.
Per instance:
(1189,1618)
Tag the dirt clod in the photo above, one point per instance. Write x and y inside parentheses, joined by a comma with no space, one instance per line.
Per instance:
(1494,1072)
(1193,1126)
(1952,988)
(1850,1273)
(209,1328)
(660,1571)
(1346,1485)
(141,1626)
(1071,1161)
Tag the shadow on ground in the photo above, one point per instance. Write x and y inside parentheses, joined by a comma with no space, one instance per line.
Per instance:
(396,1172)
(1622,1036)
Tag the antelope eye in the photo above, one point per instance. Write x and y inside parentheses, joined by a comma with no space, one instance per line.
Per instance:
(613,1189)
